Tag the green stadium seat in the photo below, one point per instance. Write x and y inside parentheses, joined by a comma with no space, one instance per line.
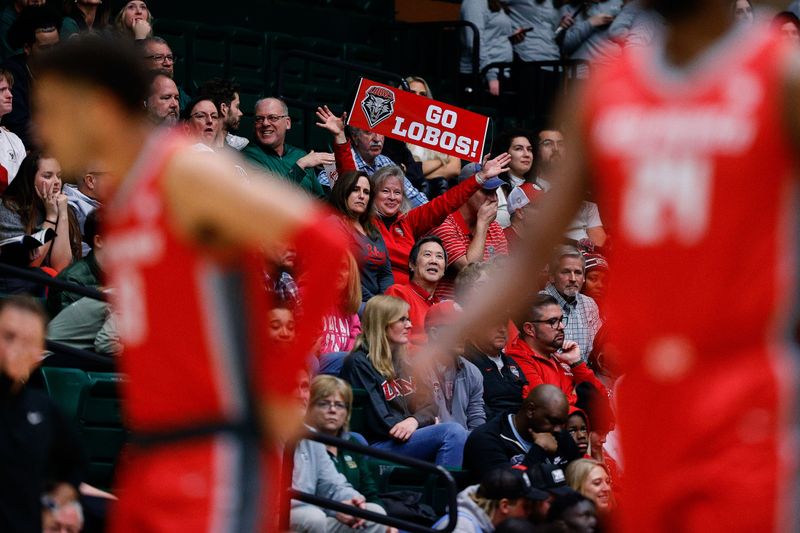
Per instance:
(210,54)
(179,35)
(367,55)
(360,399)
(249,55)
(65,386)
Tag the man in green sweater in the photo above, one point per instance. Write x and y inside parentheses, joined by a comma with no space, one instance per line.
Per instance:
(270,151)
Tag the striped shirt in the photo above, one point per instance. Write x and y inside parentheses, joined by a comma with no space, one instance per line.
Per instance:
(583,319)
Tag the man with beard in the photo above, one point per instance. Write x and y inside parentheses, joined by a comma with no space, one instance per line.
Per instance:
(163,101)
(669,143)
(581,313)
(544,356)
(225,94)
(549,153)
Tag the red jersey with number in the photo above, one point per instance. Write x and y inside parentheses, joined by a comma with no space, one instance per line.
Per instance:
(189,323)
(693,172)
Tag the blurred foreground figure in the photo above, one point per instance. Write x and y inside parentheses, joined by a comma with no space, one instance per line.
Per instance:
(185,237)
(669,139)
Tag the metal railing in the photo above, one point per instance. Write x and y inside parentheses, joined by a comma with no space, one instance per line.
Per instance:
(405,525)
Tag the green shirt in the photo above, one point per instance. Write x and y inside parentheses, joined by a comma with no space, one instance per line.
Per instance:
(85,272)
(284,166)
(354,467)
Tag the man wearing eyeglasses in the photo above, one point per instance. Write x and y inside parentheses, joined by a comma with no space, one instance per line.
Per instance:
(271,152)
(159,58)
(545,356)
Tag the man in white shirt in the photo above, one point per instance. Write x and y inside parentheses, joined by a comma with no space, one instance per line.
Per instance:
(12,151)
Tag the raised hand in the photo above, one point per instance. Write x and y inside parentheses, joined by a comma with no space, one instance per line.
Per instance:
(47,192)
(332,123)
(496,166)
(488,211)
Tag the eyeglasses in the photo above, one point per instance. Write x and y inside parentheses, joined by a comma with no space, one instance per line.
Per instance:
(327,404)
(160,58)
(272,119)
(549,143)
(205,116)
(403,319)
(553,322)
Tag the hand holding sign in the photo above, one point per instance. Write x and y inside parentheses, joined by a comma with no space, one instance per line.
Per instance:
(419,120)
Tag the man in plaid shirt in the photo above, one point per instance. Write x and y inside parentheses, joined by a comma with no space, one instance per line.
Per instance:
(366,147)
(581,312)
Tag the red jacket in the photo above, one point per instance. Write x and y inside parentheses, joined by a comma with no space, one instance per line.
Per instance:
(401,233)
(539,369)
(419,301)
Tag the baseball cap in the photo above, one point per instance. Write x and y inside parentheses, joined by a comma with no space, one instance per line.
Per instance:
(595,261)
(550,478)
(470,169)
(521,196)
(511,483)
(442,314)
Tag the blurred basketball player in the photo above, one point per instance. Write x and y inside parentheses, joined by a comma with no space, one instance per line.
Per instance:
(689,147)
(185,235)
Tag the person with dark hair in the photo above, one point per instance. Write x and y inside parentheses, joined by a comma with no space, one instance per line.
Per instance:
(86,271)
(788,24)
(596,274)
(544,355)
(199,411)
(352,196)
(8,16)
(517,143)
(574,510)
(504,493)
(163,103)
(35,201)
(271,152)
(743,11)
(532,435)
(12,151)
(38,446)
(203,122)
(426,262)
(83,15)
(225,94)
(35,32)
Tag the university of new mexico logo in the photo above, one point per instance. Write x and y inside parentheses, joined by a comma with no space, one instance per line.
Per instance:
(377,105)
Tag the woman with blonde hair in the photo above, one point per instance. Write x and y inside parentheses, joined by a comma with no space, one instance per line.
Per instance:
(134,20)
(399,417)
(329,411)
(591,478)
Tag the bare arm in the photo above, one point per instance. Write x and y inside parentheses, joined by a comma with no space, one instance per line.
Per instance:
(597,235)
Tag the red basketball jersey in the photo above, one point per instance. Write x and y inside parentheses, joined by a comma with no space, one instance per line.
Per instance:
(188,322)
(693,171)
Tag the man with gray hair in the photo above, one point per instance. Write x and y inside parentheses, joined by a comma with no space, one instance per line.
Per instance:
(567,271)
(63,518)
(159,58)
(271,152)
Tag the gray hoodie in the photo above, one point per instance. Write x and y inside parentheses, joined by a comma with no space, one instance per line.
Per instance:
(494,29)
(539,43)
(314,473)
(471,518)
(584,41)
(466,407)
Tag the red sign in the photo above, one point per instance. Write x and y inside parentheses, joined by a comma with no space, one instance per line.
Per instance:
(419,120)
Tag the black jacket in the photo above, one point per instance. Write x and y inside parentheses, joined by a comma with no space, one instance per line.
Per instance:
(494,444)
(502,390)
(37,444)
(389,402)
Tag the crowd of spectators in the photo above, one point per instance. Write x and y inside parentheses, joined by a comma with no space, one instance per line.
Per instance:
(524,407)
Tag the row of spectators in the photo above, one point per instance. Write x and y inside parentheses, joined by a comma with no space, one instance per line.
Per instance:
(425,234)
(524,406)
